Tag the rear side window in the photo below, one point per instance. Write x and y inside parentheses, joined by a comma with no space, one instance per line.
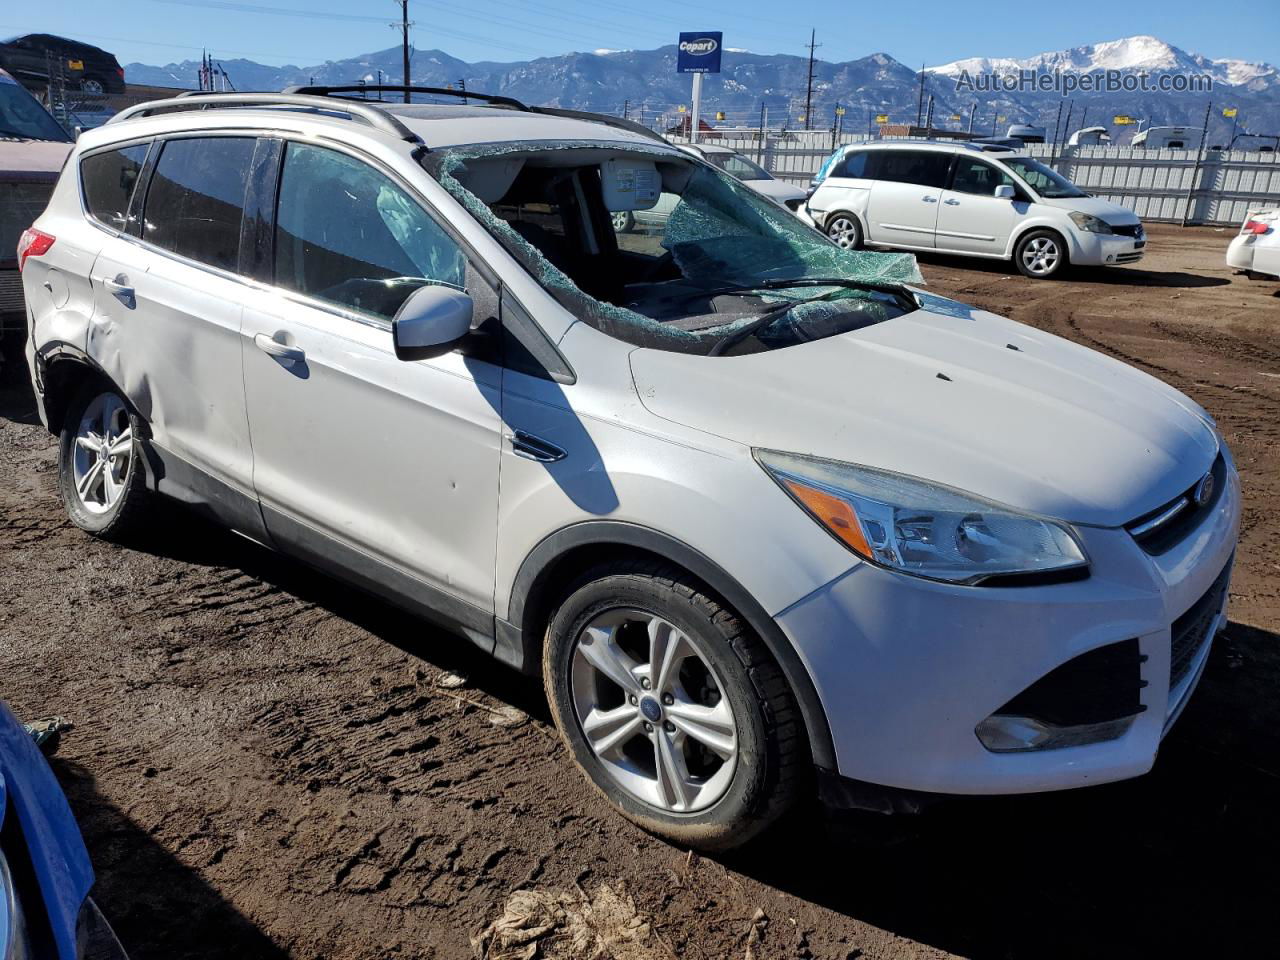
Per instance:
(108,179)
(854,165)
(196,198)
(925,168)
(347,234)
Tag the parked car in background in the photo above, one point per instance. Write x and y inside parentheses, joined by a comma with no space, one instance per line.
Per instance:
(45,876)
(1167,138)
(32,56)
(973,200)
(763,517)
(1256,248)
(731,162)
(33,148)
(749,172)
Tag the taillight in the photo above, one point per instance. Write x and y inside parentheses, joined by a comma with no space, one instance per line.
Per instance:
(120,70)
(1255,226)
(33,243)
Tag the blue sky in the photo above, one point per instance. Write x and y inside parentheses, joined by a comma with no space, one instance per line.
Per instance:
(306,32)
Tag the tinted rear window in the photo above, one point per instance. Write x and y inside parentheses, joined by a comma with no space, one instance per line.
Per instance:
(109,179)
(854,165)
(196,198)
(926,168)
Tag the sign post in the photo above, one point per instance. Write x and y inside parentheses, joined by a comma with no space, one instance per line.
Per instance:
(698,53)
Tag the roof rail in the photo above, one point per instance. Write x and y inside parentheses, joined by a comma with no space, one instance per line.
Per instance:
(607,120)
(197,100)
(490,98)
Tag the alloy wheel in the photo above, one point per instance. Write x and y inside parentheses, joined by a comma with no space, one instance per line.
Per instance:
(1041,256)
(844,232)
(653,711)
(103,453)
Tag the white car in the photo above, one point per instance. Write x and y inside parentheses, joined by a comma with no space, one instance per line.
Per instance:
(1256,248)
(732,163)
(972,200)
(758,512)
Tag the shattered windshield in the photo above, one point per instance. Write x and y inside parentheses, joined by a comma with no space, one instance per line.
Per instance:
(663,251)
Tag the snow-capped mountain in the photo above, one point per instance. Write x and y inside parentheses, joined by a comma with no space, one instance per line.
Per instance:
(1129,55)
(644,83)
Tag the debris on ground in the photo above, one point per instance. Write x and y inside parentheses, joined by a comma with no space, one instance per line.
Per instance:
(47,732)
(569,925)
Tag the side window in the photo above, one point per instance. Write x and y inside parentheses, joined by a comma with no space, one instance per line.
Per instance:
(196,198)
(974,176)
(108,179)
(347,234)
(855,165)
(928,169)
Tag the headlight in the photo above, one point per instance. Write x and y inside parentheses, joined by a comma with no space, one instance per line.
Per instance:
(922,528)
(1090,223)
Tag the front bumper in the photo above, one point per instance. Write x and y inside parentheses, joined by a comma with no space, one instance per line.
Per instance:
(906,669)
(1105,250)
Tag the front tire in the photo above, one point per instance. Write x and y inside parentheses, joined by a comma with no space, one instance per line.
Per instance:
(672,707)
(1040,254)
(100,472)
(845,230)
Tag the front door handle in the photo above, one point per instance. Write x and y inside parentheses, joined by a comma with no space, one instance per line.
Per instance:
(281,351)
(535,448)
(952,203)
(120,289)
(929,199)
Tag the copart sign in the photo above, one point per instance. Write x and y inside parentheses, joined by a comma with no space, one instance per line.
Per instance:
(699,52)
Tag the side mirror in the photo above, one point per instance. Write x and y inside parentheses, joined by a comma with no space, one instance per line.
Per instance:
(78,130)
(431,322)
(1005,192)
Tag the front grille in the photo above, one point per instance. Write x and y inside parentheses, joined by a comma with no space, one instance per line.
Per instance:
(1102,685)
(1129,230)
(20,205)
(1165,527)
(1191,630)
(10,291)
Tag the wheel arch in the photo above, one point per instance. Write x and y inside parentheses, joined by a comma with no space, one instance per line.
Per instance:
(557,559)
(1021,234)
(61,369)
(846,212)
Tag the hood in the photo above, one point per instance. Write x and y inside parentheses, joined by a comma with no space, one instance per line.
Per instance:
(32,159)
(1104,210)
(1022,417)
(777,190)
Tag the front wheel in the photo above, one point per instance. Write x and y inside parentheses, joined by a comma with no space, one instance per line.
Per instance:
(624,221)
(1040,254)
(92,85)
(845,230)
(100,472)
(672,707)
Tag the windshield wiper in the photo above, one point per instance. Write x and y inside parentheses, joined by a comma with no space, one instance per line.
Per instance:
(892,289)
(759,323)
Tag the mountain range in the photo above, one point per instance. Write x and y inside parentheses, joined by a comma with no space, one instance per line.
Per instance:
(644,84)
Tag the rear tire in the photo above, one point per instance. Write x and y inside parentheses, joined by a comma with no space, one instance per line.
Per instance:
(100,471)
(707,750)
(1040,254)
(845,230)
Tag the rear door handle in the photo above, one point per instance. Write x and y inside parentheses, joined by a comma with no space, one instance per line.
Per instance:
(952,203)
(281,351)
(120,289)
(929,199)
(535,448)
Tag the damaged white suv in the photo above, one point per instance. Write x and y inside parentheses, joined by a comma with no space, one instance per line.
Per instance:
(763,515)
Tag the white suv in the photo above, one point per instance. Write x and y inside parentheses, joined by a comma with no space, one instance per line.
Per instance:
(759,512)
(969,199)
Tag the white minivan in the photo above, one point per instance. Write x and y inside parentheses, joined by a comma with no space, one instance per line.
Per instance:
(969,199)
(765,518)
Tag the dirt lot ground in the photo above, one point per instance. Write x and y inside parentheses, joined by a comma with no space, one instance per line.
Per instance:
(265,763)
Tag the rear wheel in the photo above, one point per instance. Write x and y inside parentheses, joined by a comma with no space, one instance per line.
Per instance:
(100,472)
(845,230)
(672,707)
(624,221)
(1040,254)
(92,85)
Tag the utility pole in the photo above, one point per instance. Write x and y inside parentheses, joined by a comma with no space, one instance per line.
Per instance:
(808,92)
(973,112)
(626,109)
(404,43)
(462,84)
(920,98)
(928,121)
(1195,172)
